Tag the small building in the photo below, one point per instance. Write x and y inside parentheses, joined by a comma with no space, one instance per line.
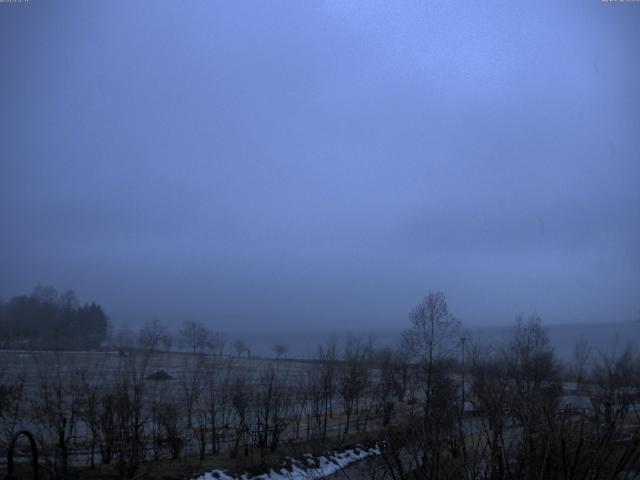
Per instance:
(159,375)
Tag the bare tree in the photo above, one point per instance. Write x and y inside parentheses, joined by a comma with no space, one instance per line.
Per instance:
(216,344)
(533,373)
(581,358)
(490,397)
(169,420)
(154,429)
(129,402)
(428,438)
(193,335)
(615,373)
(300,402)
(55,407)
(124,338)
(89,407)
(217,396)
(388,386)
(353,378)
(405,354)
(271,408)
(201,414)
(280,349)
(434,336)
(326,365)
(108,425)
(314,383)
(153,335)
(11,406)
(191,380)
(240,401)
(166,342)
(240,348)
(532,366)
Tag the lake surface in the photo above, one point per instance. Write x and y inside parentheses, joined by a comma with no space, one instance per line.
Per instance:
(603,337)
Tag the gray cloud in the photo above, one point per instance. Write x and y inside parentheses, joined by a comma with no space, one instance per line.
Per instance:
(279,165)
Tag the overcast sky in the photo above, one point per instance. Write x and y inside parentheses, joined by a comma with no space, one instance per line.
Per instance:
(309,165)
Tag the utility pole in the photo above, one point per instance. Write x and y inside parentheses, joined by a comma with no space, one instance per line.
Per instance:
(463,340)
(463,448)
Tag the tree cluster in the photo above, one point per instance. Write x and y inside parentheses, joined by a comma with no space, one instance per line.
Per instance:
(506,413)
(46,320)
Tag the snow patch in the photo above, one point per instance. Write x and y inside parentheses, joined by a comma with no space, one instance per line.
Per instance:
(326,465)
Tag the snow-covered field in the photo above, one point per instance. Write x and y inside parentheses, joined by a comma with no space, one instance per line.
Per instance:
(311,468)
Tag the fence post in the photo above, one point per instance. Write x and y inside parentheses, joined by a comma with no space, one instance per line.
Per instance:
(34,454)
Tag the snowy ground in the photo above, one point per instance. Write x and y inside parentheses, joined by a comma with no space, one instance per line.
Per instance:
(310,468)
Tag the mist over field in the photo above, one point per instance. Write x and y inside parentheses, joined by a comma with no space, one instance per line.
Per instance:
(603,337)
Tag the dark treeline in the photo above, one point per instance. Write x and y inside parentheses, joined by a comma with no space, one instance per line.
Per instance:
(46,319)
